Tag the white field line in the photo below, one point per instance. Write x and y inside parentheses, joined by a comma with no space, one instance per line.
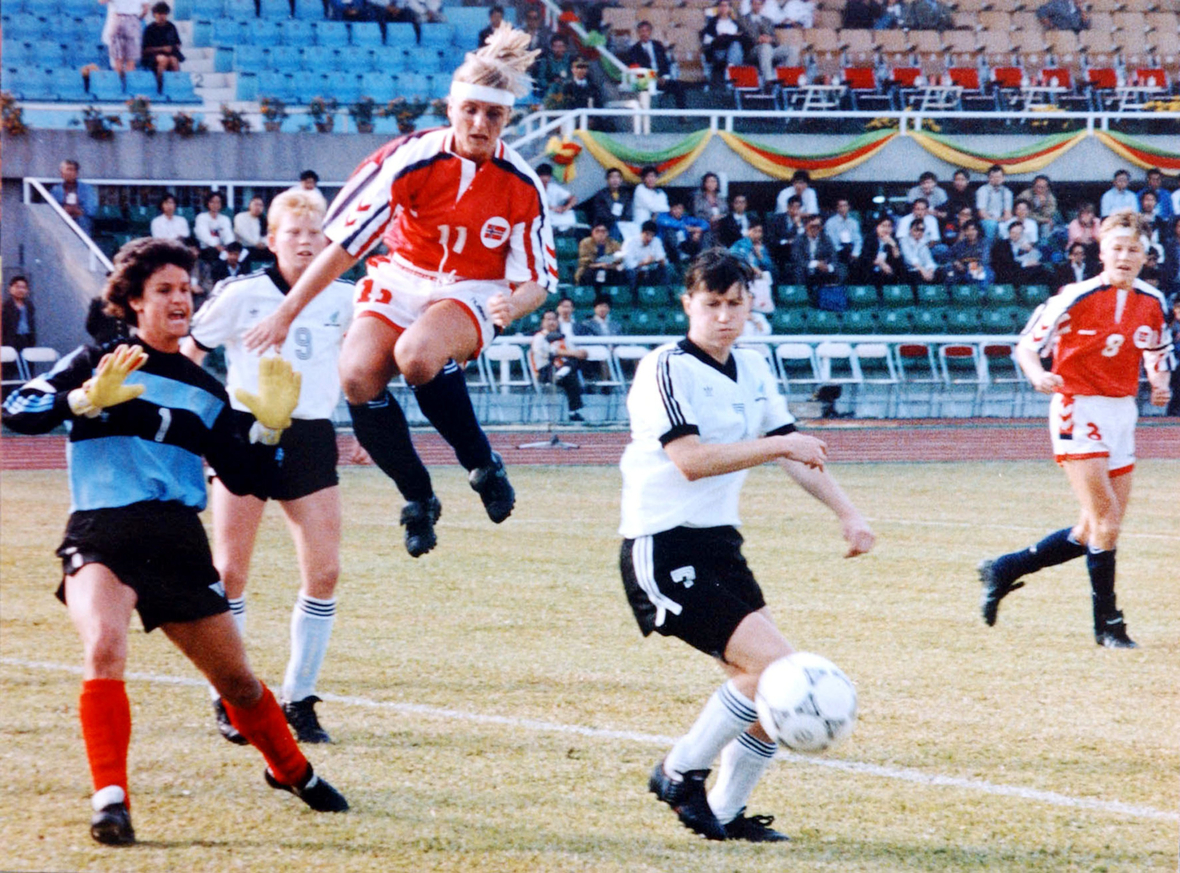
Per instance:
(901,774)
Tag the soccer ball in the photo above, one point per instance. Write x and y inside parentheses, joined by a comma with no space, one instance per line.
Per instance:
(805,702)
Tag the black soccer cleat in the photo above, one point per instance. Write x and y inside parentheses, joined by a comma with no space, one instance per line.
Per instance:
(315,792)
(418,518)
(687,798)
(111,825)
(302,718)
(1112,633)
(754,829)
(494,489)
(995,589)
(225,726)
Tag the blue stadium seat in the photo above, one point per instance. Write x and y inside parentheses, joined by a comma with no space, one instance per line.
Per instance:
(230,32)
(32,83)
(467,22)
(202,33)
(438,36)
(247,88)
(401,34)
(310,10)
(250,58)
(263,32)
(345,87)
(72,8)
(390,60)
(208,10)
(142,83)
(24,26)
(297,33)
(106,86)
(321,59)
(331,33)
(15,53)
(285,59)
(274,84)
(240,9)
(413,85)
(46,54)
(276,9)
(178,88)
(182,10)
(366,33)
(380,86)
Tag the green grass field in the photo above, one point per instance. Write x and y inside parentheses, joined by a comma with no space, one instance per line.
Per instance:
(495,707)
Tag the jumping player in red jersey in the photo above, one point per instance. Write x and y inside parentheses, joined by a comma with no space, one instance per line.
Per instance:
(470,250)
(1098,331)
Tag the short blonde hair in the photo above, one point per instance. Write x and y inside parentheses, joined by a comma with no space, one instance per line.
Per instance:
(1124,218)
(300,202)
(502,62)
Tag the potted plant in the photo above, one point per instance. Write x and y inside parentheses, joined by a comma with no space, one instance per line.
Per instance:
(320,109)
(97,123)
(185,125)
(405,112)
(273,112)
(11,116)
(362,113)
(233,121)
(140,109)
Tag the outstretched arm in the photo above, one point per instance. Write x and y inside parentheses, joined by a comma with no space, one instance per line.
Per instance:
(329,265)
(696,460)
(819,484)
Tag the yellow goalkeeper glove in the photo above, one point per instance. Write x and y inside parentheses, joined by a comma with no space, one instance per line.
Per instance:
(278,395)
(105,388)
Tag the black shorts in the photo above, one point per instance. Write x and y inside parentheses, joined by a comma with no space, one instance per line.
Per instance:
(303,462)
(158,549)
(691,583)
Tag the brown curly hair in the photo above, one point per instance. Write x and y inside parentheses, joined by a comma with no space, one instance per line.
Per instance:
(134,265)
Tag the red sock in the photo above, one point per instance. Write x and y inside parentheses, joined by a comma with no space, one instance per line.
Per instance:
(106,727)
(265,727)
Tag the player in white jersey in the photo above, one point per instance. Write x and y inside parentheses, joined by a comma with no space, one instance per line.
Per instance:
(702,414)
(467,228)
(300,472)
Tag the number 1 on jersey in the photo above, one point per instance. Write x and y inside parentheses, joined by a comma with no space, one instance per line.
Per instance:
(444,235)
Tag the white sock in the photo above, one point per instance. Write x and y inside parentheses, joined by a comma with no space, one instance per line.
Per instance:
(743,762)
(727,714)
(237,611)
(311,628)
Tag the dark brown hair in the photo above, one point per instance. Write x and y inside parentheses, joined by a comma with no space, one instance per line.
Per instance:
(135,263)
(715,270)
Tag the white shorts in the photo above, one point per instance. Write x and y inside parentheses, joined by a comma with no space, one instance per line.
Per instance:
(398,293)
(1094,427)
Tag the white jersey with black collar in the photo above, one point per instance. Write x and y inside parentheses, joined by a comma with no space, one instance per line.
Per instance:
(312,346)
(680,390)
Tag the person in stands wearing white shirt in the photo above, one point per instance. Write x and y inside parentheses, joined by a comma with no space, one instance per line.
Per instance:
(1021,215)
(645,258)
(993,202)
(800,187)
(844,232)
(301,469)
(704,411)
(212,229)
(799,13)
(1119,196)
(169,225)
(249,231)
(648,201)
(561,201)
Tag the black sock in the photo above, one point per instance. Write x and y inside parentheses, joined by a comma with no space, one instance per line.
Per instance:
(1100,563)
(447,405)
(380,426)
(1056,548)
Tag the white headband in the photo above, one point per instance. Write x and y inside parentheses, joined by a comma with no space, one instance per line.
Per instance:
(1128,231)
(467,91)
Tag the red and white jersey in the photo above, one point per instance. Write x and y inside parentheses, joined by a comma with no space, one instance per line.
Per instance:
(445,214)
(1098,333)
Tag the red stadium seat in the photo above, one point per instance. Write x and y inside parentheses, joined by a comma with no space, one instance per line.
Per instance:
(1102,77)
(1061,74)
(789,77)
(966,78)
(1152,76)
(743,77)
(906,76)
(1008,77)
(860,78)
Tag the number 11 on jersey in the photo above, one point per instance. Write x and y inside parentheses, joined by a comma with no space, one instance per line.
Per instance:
(444,236)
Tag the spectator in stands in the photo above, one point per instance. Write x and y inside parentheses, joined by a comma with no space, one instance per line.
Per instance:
(18,317)
(102,327)
(960,194)
(1063,15)
(123,33)
(581,92)
(201,277)
(600,261)
(969,247)
(844,232)
(552,70)
(930,191)
(709,206)
(645,258)
(753,251)
(212,229)
(683,234)
(427,10)
(801,187)
(862,14)
(495,18)
(813,257)
(1075,269)
(926,15)
(1170,271)
(782,229)
(1084,229)
(1163,205)
(250,231)
(1151,267)
(78,199)
(561,201)
(232,265)
(993,202)
(880,260)
(736,222)
(1015,260)
(355,10)
(1158,227)
(309,180)
(1118,196)
(764,49)
(400,12)
(1043,210)
(161,44)
(651,54)
(534,26)
(952,229)
(554,362)
(919,215)
(169,225)
(721,42)
(611,204)
(798,13)
(915,252)
(1021,213)
(648,200)
(601,324)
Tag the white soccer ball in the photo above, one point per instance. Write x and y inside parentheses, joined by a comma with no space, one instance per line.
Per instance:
(805,702)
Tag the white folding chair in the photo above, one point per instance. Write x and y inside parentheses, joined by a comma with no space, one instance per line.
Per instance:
(877,368)
(1001,369)
(962,364)
(608,376)
(838,364)
(627,358)
(11,360)
(917,366)
(796,365)
(508,369)
(35,355)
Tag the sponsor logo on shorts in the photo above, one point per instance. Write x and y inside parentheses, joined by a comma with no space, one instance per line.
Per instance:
(494,232)
(218,588)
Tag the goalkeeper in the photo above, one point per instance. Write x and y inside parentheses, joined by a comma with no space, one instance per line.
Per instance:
(140,418)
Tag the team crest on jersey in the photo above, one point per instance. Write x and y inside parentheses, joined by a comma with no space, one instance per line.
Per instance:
(494,232)
(1144,337)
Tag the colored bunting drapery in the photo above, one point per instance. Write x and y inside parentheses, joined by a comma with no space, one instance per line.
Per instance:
(781,165)
(1029,159)
(1140,153)
(563,154)
(670,162)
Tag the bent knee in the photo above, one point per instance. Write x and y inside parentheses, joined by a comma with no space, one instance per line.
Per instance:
(359,386)
(241,689)
(419,366)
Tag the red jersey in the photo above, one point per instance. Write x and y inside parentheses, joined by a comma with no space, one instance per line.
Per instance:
(1098,334)
(446,214)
